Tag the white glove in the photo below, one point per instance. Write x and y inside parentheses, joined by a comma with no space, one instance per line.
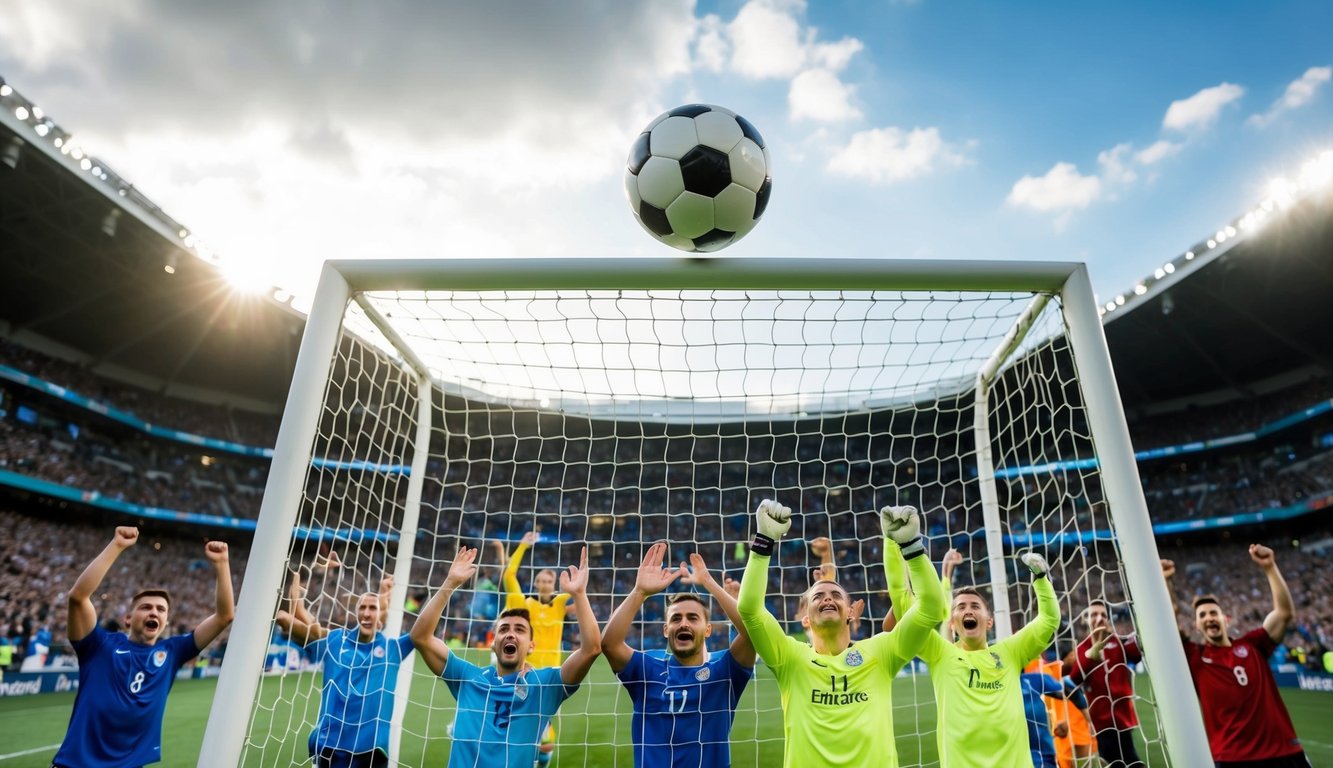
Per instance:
(902,524)
(773,519)
(1035,563)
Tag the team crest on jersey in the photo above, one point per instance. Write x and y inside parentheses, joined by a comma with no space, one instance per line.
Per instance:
(703,674)
(854,658)
(159,658)
(521,691)
(378,652)
(1242,651)
(998,663)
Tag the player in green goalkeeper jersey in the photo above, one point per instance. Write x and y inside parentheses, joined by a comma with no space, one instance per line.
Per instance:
(837,696)
(977,690)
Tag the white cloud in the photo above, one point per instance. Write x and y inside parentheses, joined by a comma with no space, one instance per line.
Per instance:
(769,42)
(1114,168)
(818,94)
(765,42)
(1201,109)
(1299,93)
(711,46)
(886,155)
(1062,188)
(1157,151)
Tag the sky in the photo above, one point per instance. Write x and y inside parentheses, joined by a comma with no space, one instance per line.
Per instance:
(285,133)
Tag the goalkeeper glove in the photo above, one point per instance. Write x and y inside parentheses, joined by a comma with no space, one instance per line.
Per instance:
(903,526)
(1035,563)
(772,521)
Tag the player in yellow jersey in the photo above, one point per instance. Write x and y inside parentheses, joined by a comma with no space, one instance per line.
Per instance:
(837,695)
(547,611)
(977,690)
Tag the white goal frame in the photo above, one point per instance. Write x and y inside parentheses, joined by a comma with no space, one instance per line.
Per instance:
(343,281)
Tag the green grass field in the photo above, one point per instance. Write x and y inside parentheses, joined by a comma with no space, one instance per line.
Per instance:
(594,727)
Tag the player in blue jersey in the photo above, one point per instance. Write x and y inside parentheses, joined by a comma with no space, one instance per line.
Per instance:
(360,676)
(684,702)
(124,678)
(504,708)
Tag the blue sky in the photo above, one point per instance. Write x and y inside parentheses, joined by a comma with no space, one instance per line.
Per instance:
(284,133)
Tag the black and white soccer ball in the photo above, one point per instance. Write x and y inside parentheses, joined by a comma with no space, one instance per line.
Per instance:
(698,177)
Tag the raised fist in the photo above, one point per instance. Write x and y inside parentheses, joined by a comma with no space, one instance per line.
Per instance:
(1262,556)
(216,551)
(901,524)
(1035,563)
(773,519)
(126,536)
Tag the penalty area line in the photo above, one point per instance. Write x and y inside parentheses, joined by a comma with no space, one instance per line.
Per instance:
(30,751)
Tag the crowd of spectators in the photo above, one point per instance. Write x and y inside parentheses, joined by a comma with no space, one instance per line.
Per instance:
(232,424)
(617,486)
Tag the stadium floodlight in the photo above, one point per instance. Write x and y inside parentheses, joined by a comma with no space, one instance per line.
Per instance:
(619,401)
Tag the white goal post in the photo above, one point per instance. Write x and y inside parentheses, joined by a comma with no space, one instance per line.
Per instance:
(355,285)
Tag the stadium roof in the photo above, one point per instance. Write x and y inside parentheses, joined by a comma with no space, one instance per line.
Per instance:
(84,264)
(84,261)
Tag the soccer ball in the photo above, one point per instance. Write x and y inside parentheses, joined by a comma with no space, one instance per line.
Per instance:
(697,177)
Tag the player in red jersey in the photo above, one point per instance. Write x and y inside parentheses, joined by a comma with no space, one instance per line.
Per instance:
(1103,665)
(1246,721)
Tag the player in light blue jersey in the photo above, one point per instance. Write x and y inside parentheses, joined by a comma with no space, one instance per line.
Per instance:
(503,708)
(124,679)
(684,701)
(360,676)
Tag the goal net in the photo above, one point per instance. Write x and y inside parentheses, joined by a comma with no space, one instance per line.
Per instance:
(445,412)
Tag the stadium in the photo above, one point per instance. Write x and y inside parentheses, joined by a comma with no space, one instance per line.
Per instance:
(138,388)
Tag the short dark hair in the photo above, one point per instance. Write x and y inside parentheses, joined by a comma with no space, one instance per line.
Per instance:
(162,593)
(683,597)
(1204,600)
(971,591)
(521,613)
(1100,602)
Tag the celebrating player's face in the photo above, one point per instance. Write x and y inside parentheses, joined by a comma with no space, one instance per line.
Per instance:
(513,642)
(1211,622)
(686,627)
(148,618)
(545,583)
(1096,616)
(368,616)
(970,616)
(827,604)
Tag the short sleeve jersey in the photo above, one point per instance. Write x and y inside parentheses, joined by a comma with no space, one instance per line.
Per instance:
(356,706)
(500,719)
(1242,709)
(1109,683)
(123,687)
(683,715)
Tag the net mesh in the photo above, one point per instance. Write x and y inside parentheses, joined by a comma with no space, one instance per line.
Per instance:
(614,419)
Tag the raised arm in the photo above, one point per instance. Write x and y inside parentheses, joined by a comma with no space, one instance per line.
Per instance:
(296,593)
(902,531)
(513,592)
(822,547)
(1279,619)
(574,581)
(773,521)
(385,592)
(652,578)
(742,650)
(82,615)
(1169,570)
(431,648)
(224,604)
(1033,638)
(895,575)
